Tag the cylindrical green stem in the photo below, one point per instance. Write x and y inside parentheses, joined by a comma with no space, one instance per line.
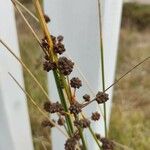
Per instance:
(63,101)
(83,140)
(96,140)
(102,64)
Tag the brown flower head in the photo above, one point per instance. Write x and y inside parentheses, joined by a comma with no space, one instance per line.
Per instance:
(86,97)
(65,65)
(59,48)
(60,38)
(53,107)
(47,123)
(71,144)
(75,82)
(82,123)
(101,97)
(47,19)
(47,106)
(107,144)
(75,108)
(49,65)
(45,44)
(61,121)
(98,136)
(95,116)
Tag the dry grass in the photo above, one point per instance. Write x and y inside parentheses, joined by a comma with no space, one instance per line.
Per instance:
(130,120)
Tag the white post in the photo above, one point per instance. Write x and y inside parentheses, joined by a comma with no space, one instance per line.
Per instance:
(78,22)
(15,129)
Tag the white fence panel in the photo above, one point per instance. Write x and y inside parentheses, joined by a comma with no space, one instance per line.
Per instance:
(15,132)
(77,21)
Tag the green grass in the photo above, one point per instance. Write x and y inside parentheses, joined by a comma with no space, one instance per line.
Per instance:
(130,119)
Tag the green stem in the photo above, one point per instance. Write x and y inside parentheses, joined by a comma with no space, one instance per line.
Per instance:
(62,98)
(96,140)
(82,139)
(102,65)
(81,135)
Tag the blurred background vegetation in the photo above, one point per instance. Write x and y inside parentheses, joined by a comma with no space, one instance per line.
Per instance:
(130,119)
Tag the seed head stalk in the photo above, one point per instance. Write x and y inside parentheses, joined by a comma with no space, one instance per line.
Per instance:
(54,58)
(56,76)
(102,64)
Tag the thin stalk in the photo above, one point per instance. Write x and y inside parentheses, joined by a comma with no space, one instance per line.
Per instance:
(102,64)
(26,9)
(54,58)
(81,135)
(127,72)
(96,140)
(69,88)
(28,24)
(83,140)
(62,98)
(34,103)
(25,67)
(31,29)
(66,86)
(124,75)
(92,133)
(45,29)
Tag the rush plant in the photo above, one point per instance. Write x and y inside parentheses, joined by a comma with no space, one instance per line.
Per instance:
(71,120)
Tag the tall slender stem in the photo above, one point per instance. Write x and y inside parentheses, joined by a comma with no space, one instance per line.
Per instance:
(102,64)
(62,98)
(95,138)
(83,140)
(53,57)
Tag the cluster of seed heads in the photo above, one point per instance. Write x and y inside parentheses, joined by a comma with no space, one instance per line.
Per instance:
(53,107)
(107,144)
(49,65)
(47,123)
(71,143)
(59,48)
(82,123)
(64,66)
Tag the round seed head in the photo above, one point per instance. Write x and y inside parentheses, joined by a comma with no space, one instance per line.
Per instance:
(49,65)
(75,82)
(65,65)
(95,116)
(86,97)
(47,19)
(47,123)
(61,121)
(82,123)
(101,97)
(71,144)
(60,38)
(107,144)
(75,108)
